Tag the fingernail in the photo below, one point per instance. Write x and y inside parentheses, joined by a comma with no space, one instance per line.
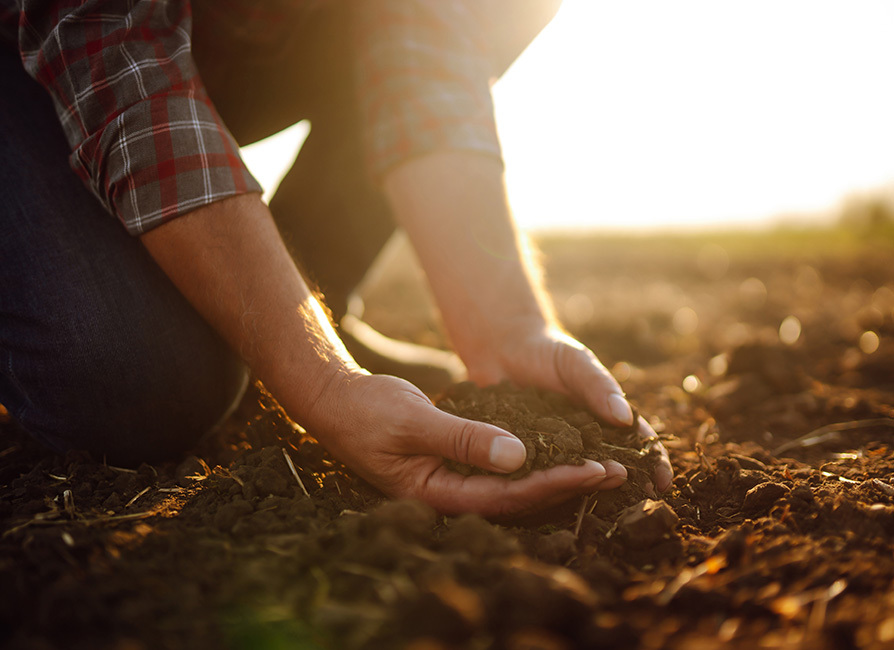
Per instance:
(620,409)
(507,454)
(614,469)
(598,473)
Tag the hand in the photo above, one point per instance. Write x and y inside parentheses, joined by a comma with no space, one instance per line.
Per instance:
(453,205)
(546,357)
(390,433)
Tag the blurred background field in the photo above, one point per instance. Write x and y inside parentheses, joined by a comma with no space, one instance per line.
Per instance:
(696,174)
(711,188)
(644,298)
(757,356)
(644,116)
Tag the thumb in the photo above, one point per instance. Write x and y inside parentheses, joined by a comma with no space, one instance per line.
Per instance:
(473,443)
(584,375)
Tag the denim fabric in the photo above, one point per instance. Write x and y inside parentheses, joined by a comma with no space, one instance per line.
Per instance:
(98,350)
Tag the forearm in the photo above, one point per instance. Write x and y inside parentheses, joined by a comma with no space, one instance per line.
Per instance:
(229,261)
(454,207)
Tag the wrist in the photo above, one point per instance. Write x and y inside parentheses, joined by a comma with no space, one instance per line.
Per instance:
(317,398)
(500,355)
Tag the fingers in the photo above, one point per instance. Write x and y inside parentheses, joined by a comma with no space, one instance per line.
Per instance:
(585,376)
(491,496)
(494,449)
(466,441)
(664,473)
(474,443)
(615,475)
(421,435)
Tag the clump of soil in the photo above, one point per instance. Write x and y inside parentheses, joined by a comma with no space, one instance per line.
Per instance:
(776,533)
(553,429)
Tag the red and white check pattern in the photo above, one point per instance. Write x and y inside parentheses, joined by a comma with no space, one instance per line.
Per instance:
(145,136)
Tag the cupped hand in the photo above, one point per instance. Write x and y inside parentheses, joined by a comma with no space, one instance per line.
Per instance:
(389,432)
(547,358)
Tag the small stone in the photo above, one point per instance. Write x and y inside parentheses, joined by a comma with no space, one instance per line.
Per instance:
(647,523)
(760,498)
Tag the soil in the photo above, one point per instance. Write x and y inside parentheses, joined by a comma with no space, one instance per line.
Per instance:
(766,364)
(555,431)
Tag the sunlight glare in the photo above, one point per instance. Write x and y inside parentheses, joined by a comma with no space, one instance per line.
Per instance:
(657,114)
(691,114)
(269,159)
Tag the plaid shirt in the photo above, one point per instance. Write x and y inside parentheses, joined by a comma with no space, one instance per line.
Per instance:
(145,136)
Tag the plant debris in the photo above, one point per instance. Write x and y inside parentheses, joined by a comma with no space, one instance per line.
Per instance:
(262,540)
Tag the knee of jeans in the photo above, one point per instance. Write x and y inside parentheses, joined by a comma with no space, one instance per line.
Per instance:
(128,402)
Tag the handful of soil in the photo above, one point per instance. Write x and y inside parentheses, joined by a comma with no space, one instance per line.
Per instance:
(553,430)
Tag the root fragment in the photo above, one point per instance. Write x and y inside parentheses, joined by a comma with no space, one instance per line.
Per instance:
(138,495)
(830,433)
(68,504)
(580,514)
(294,471)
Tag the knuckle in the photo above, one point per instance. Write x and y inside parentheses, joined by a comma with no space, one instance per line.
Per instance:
(565,370)
(405,419)
(463,442)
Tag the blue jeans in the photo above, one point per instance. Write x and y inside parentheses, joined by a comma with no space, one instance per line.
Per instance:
(98,350)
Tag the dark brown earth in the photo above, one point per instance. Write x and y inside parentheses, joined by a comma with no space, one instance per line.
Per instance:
(555,431)
(778,532)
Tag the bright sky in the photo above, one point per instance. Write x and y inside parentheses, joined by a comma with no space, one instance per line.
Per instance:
(648,113)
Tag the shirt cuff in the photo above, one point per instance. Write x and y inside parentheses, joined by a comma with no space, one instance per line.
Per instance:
(439,118)
(423,80)
(161,158)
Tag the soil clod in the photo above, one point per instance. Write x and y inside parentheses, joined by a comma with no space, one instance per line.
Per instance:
(647,523)
(775,534)
(553,430)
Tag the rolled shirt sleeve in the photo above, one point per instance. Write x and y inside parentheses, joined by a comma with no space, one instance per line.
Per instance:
(144,135)
(423,75)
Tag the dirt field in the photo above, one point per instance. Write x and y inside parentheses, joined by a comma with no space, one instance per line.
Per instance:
(765,362)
